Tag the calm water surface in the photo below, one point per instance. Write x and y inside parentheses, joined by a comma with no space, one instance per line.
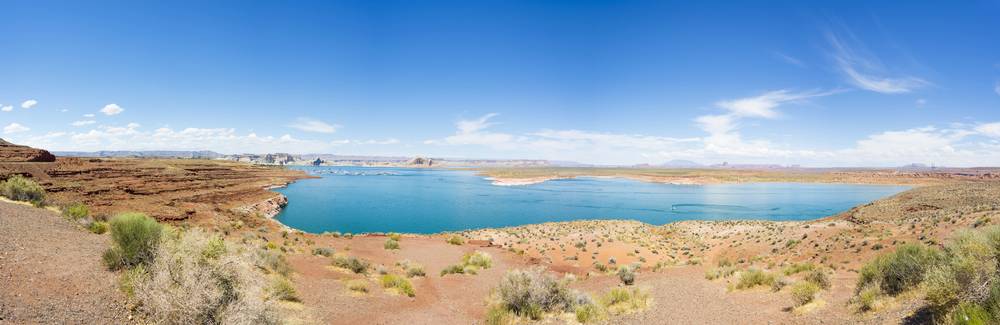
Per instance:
(359,199)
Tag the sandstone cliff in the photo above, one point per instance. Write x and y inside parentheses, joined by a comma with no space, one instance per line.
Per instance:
(10,152)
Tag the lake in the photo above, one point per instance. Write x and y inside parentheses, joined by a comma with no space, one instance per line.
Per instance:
(365,199)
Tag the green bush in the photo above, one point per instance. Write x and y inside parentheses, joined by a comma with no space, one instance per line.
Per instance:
(19,188)
(798,267)
(803,292)
(588,313)
(453,269)
(754,277)
(622,301)
(899,271)
(98,227)
(498,315)
(134,240)
(351,263)
(398,283)
(76,211)
(867,298)
(967,281)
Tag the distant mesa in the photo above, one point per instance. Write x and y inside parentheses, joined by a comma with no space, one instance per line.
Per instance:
(10,152)
(421,161)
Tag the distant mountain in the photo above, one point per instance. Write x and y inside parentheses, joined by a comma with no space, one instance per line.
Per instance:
(681,164)
(143,154)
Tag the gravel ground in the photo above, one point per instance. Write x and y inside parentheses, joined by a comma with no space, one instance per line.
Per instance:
(51,272)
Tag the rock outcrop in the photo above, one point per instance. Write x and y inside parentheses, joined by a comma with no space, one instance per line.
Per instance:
(10,152)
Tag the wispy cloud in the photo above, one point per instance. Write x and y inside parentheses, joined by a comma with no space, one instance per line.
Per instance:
(313,125)
(6,108)
(83,122)
(864,70)
(789,59)
(29,103)
(15,128)
(112,109)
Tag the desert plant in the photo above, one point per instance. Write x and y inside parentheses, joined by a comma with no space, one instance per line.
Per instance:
(360,286)
(135,238)
(587,313)
(391,244)
(803,292)
(395,236)
(183,286)
(273,261)
(899,271)
(323,251)
(455,240)
(529,293)
(283,289)
(622,300)
(967,282)
(819,277)
(398,283)
(351,263)
(798,267)
(478,259)
(19,188)
(867,297)
(754,277)
(76,211)
(626,274)
(498,315)
(98,227)
(453,269)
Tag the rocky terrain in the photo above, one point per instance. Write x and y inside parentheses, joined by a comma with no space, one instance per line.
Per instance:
(10,152)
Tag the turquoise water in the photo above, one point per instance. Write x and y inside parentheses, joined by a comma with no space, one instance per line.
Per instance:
(359,200)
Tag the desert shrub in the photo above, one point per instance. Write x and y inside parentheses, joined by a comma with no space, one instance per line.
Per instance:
(135,238)
(819,277)
(587,313)
(622,300)
(129,279)
(98,227)
(498,315)
(351,263)
(530,293)
(626,274)
(867,297)
(76,211)
(395,236)
(798,267)
(453,269)
(471,264)
(398,283)
(803,292)
(323,251)
(720,272)
(186,286)
(19,188)
(899,271)
(272,261)
(283,289)
(754,277)
(360,286)
(391,244)
(967,281)
(411,269)
(455,240)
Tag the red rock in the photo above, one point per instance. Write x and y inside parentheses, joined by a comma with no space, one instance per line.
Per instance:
(10,152)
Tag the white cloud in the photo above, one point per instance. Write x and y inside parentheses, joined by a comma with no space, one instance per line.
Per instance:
(112,109)
(83,122)
(63,110)
(15,128)
(989,129)
(864,70)
(7,108)
(29,103)
(88,115)
(311,125)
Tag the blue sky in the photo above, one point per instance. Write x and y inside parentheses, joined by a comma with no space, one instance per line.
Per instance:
(849,83)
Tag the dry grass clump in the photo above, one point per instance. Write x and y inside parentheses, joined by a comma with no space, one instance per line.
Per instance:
(398,283)
(455,240)
(471,264)
(411,269)
(623,301)
(899,271)
(804,292)
(194,279)
(76,211)
(798,267)
(19,188)
(351,263)
(626,273)
(323,251)
(358,285)
(532,293)
(754,277)
(391,244)
(282,289)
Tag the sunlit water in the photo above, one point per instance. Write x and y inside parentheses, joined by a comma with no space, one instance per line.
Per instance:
(359,200)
